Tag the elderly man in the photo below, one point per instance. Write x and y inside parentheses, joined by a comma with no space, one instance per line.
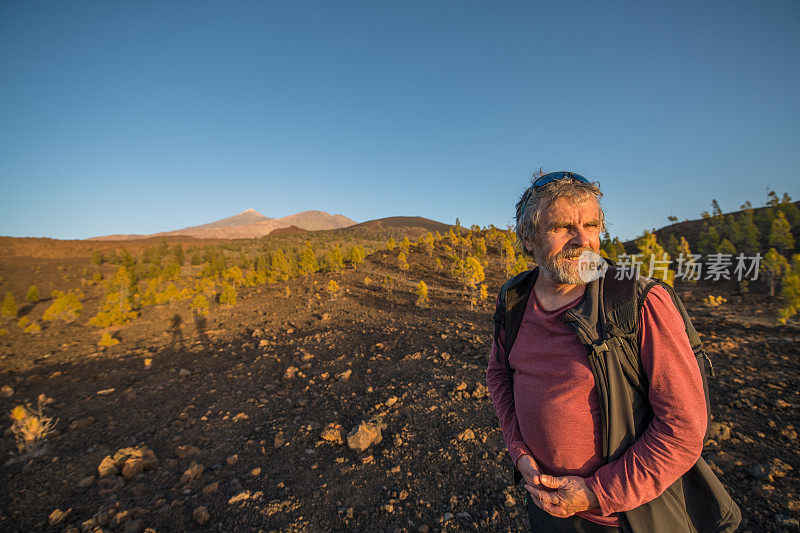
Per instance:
(604,425)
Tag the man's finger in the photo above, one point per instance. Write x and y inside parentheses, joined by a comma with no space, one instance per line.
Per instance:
(543,495)
(552,481)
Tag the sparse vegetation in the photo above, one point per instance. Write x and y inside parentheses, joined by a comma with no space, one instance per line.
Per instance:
(422,295)
(31,427)
(107,341)
(9,308)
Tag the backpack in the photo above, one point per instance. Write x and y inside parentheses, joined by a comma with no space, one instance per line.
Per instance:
(622,306)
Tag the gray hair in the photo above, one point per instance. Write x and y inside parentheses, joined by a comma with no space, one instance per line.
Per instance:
(534,201)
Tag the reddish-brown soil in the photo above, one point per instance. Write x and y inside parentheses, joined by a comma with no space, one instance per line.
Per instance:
(419,370)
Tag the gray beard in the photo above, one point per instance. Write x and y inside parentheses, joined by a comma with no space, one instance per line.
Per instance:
(558,272)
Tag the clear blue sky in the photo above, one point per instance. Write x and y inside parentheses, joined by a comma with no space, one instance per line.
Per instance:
(138,117)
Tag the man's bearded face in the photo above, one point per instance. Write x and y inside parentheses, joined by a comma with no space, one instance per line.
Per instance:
(565,232)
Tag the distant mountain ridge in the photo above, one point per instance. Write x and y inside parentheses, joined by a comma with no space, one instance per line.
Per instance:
(247,225)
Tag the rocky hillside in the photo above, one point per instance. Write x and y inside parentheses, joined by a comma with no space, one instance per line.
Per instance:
(300,408)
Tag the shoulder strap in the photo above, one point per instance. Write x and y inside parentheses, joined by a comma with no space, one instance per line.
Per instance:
(623,306)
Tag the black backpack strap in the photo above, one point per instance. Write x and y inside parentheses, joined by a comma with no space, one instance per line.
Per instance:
(511,305)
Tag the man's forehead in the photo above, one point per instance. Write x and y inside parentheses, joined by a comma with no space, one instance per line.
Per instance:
(563,210)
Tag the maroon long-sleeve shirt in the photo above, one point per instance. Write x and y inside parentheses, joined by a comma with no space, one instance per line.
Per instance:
(555,412)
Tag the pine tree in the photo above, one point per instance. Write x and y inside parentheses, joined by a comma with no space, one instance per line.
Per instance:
(66,306)
(422,295)
(520,266)
(308,260)
(200,305)
(279,265)
(356,255)
(673,245)
(333,289)
(33,294)
(653,254)
(715,210)
(748,232)
(9,308)
(726,247)
(790,210)
(772,198)
(791,291)
(228,294)
(774,265)
(405,246)
(508,256)
(97,257)
(479,247)
(426,242)
(708,240)
(458,223)
(334,260)
(402,262)
(178,254)
(391,244)
(781,235)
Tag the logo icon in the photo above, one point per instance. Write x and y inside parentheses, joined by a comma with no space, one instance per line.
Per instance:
(591,266)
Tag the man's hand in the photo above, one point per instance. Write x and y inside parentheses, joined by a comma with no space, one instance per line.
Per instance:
(562,496)
(529,469)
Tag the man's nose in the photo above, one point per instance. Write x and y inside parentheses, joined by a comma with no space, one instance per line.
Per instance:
(580,237)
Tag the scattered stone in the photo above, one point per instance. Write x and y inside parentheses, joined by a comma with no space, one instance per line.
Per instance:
(325,376)
(367,459)
(232,460)
(344,376)
(510,501)
(461,386)
(240,417)
(480,391)
(255,472)
(466,435)
(240,497)
(424,528)
(290,373)
(86,482)
(7,391)
(187,451)
(82,423)
(193,472)
(391,401)
(201,515)
(120,518)
(719,431)
(279,439)
(58,516)
(211,488)
(105,392)
(364,435)
(89,525)
(769,471)
(257,334)
(333,433)
(139,459)
(184,373)
(446,517)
